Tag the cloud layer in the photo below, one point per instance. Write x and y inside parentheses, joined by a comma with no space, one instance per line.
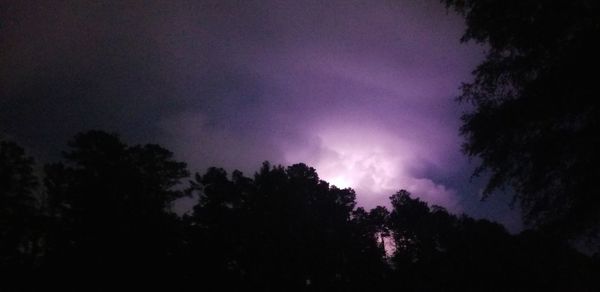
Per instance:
(363,90)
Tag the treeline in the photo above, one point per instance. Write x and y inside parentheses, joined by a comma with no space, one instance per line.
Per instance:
(102,220)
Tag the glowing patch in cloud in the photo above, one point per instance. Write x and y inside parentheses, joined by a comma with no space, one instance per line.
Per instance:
(371,161)
(358,162)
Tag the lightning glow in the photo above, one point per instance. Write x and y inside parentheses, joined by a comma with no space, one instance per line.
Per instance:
(370,160)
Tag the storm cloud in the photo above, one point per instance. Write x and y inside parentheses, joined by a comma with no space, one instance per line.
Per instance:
(362,90)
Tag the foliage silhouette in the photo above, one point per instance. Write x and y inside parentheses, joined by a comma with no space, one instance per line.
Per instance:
(104,222)
(438,251)
(285,225)
(19,217)
(110,203)
(535,121)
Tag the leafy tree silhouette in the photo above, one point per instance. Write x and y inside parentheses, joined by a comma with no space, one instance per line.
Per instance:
(19,218)
(437,251)
(111,205)
(536,113)
(284,229)
(105,223)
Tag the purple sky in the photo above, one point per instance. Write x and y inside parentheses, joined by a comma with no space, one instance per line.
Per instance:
(361,90)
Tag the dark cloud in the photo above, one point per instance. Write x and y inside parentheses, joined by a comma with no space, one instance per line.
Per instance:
(361,89)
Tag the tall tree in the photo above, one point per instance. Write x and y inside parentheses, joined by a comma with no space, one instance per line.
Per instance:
(111,202)
(437,251)
(19,220)
(536,114)
(283,229)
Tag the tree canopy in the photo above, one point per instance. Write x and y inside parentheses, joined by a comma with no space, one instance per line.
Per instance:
(18,210)
(109,203)
(103,221)
(535,116)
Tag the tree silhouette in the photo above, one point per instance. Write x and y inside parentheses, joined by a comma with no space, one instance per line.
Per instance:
(536,116)
(19,219)
(284,229)
(105,223)
(111,205)
(437,251)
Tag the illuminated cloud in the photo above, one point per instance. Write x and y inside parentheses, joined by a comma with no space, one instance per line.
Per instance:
(373,162)
(362,90)
(362,93)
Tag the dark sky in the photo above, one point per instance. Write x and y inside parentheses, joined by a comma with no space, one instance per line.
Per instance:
(362,90)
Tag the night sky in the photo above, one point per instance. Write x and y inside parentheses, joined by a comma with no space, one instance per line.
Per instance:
(361,90)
